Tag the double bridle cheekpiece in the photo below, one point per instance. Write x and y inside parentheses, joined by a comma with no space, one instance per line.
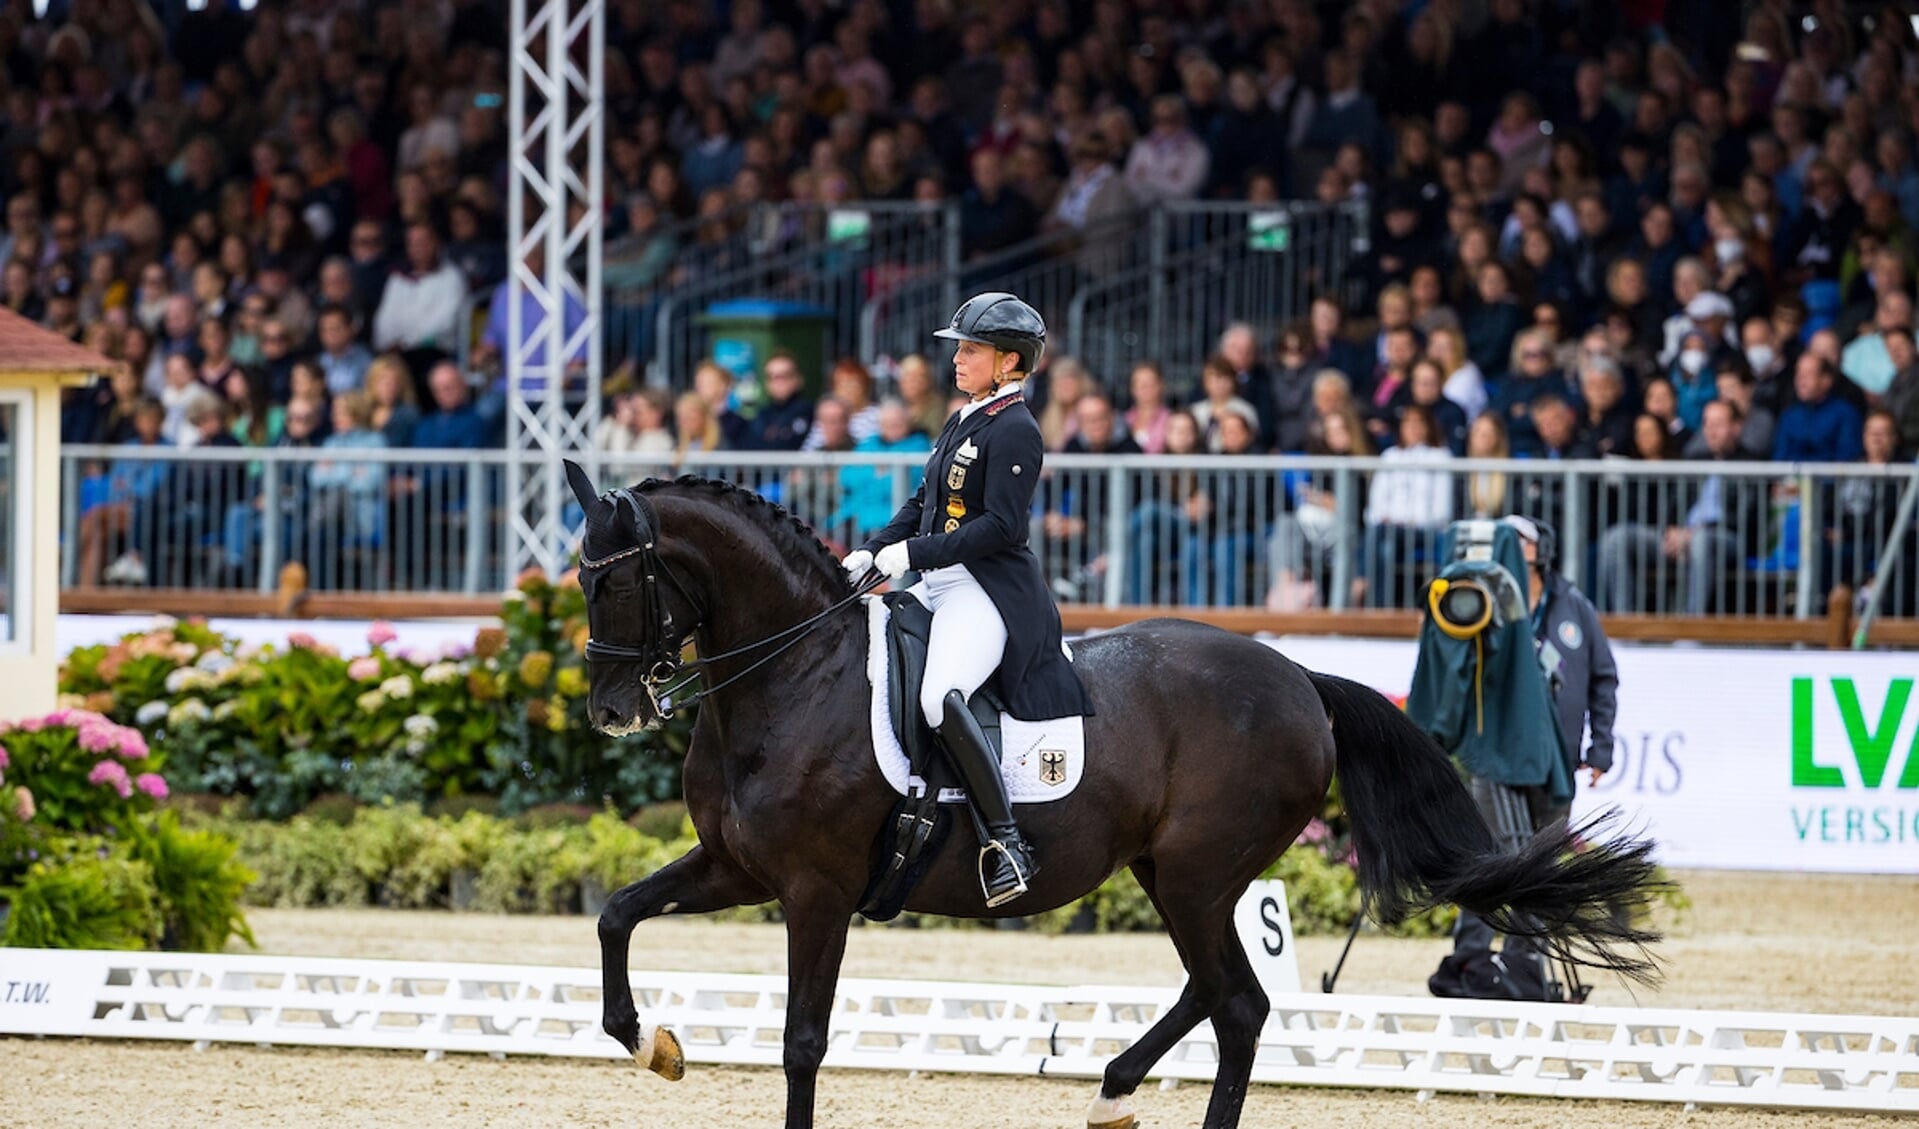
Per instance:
(661,651)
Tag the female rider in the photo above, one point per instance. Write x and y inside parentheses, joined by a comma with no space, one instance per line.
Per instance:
(965,532)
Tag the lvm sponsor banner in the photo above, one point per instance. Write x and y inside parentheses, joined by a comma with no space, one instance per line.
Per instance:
(1738,759)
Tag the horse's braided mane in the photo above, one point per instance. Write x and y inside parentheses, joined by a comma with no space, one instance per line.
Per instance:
(789,530)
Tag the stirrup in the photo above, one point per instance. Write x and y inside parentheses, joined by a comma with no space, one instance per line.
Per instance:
(1012,863)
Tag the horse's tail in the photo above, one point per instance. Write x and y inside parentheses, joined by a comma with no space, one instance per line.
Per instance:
(1420,841)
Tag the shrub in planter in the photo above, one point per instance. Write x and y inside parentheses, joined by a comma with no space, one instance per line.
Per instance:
(408,858)
(530,872)
(303,862)
(200,883)
(96,898)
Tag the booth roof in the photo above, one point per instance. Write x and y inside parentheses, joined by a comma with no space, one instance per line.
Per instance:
(28,349)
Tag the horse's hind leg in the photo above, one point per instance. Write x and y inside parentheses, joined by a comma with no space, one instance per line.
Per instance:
(1236,1027)
(696,882)
(1199,916)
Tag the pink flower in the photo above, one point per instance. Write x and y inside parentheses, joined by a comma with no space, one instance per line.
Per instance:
(112,773)
(133,746)
(96,737)
(4,759)
(363,669)
(1314,832)
(57,718)
(23,804)
(152,783)
(380,634)
(303,641)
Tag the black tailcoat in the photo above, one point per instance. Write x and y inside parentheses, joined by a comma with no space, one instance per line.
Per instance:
(974,509)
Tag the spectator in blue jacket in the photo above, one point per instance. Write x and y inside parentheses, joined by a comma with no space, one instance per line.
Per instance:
(866,491)
(1820,428)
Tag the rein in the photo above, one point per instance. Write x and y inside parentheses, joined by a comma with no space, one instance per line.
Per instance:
(665,662)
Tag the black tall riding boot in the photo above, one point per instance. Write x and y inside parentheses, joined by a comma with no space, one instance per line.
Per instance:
(1005,861)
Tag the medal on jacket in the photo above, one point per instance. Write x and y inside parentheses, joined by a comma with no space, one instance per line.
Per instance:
(956,474)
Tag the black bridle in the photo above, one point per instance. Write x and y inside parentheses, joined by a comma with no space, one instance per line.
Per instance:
(661,652)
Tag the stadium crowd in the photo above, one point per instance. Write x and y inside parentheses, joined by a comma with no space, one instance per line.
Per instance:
(1641,230)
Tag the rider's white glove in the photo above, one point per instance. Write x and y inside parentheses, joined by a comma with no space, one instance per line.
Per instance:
(893,560)
(856,563)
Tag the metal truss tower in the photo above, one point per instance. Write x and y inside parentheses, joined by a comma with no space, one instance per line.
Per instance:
(556,109)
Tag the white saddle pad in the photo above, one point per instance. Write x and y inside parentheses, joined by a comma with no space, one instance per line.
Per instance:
(1041,760)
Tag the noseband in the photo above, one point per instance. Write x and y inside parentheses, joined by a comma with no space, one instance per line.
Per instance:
(661,654)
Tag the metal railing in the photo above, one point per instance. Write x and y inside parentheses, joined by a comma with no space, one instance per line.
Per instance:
(1160,283)
(835,257)
(1208,263)
(370,520)
(1046,271)
(1282,532)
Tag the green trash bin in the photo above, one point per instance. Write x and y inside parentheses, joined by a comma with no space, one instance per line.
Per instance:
(743,332)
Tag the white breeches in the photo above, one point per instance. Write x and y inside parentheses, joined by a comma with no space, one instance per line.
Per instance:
(968,637)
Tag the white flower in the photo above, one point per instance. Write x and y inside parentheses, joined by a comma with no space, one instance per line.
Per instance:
(442,674)
(215,662)
(370,702)
(248,652)
(399,687)
(151,712)
(188,712)
(415,747)
(162,622)
(226,709)
(187,679)
(420,725)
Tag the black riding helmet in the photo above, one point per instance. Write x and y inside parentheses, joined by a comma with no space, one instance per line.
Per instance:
(998,319)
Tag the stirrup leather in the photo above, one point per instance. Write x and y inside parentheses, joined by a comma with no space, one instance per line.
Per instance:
(990,847)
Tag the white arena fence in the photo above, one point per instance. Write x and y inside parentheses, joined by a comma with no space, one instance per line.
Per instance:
(1536,1050)
(1203,531)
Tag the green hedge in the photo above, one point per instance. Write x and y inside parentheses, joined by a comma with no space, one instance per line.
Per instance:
(554,862)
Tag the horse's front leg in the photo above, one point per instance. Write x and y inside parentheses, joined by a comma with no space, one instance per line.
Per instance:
(816,927)
(696,882)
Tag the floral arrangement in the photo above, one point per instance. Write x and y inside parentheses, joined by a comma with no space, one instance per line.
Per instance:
(87,860)
(503,717)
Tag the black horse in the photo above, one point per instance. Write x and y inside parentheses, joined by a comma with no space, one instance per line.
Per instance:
(1208,755)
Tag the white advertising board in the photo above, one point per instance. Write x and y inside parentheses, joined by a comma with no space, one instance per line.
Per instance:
(1737,759)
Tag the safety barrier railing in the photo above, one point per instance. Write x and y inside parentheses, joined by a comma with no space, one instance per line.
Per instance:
(833,257)
(358,519)
(1159,283)
(1281,532)
(1046,271)
(1206,264)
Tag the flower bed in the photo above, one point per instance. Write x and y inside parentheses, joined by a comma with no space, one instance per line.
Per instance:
(86,859)
(281,726)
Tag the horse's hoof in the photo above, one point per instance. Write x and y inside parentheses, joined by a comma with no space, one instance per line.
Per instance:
(1111,1113)
(660,1052)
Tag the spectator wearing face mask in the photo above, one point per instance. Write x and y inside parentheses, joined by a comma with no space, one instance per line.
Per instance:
(1692,378)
